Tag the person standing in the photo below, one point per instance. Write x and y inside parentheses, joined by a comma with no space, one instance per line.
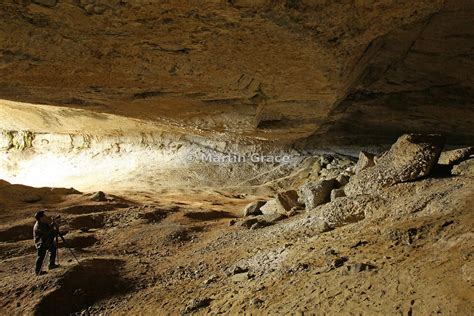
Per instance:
(44,233)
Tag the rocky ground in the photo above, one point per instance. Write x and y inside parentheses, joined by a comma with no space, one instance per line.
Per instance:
(390,234)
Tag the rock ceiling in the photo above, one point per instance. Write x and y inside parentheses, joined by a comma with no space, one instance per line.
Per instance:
(305,71)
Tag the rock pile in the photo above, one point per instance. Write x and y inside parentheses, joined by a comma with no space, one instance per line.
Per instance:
(343,192)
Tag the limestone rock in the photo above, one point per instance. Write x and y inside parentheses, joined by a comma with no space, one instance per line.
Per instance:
(343,211)
(314,193)
(282,203)
(411,157)
(254,208)
(465,168)
(337,193)
(365,161)
(98,197)
(453,157)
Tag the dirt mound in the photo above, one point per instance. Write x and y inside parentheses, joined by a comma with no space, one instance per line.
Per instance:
(82,286)
(85,209)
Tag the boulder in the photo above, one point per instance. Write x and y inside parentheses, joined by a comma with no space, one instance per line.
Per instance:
(453,157)
(337,193)
(365,161)
(411,157)
(315,193)
(343,211)
(282,203)
(98,197)
(254,208)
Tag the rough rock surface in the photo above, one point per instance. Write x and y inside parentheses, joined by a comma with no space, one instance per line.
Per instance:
(99,196)
(410,158)
(455,156)
(465,168)
(337,193)
(365,161)
(314,193)
(343,211)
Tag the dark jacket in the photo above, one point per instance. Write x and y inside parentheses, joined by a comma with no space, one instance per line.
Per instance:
(44,235)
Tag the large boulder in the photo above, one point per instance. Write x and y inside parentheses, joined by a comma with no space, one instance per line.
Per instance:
(315,193)
(365,161)
(254,208)
(283,203)
(453,157)
(411,157)
(343,211)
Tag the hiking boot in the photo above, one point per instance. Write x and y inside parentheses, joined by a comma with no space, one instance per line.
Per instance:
(53,266)
(41,273)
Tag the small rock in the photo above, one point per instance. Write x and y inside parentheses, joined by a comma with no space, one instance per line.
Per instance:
(336,262)
(232,222)
(241,277)
(365,161)
(256,302)
(254,208)
(196,304)
(325,160)
(282,203)
(247,223)
(315,193)
(211,279)
(316,168)
(260,224)
(359,267)
(236,270)
(467,271)
(98,197)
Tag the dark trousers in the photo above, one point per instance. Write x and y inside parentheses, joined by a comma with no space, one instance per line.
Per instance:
(41,254)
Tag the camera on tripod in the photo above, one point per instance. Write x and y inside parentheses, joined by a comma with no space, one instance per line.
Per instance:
(56,220)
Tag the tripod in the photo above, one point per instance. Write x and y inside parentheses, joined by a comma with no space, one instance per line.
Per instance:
(59,235)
